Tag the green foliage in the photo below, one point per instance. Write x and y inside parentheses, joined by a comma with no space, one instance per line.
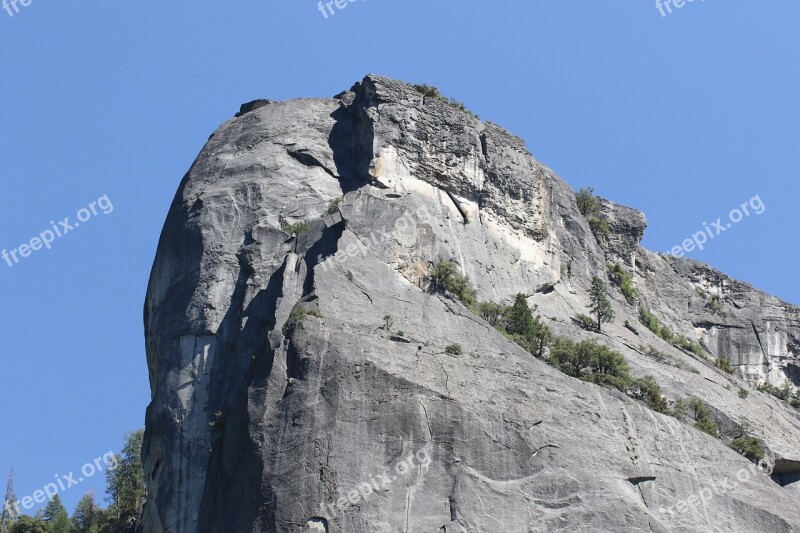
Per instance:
(564,355)
(446,276)
(599,228)
(429,91)
(460,106)
(125,482)
(536,340)
(649,320)
(126,491)
(296,228)
(600,304)
(56,517)
(608,381)
(588,204)
(751,447)
(725,365)
(707,425)
(400,333)
(624,281)
(333,206)
(518,324)
(29,524)
(686,344)
(494,314)
(298,313)
(539,337)
(586,322)
(454,349)
(586,358)
(654,325)
(661,357)
(532,334)
(314,312)
(784,393)
(648,390)
(520,319)
(743,393)
(656,354)
(715,305)
(86,514)
(698,411)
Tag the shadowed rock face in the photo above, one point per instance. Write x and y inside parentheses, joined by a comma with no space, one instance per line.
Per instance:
(350,415)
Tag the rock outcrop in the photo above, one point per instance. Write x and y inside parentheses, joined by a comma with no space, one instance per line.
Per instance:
(298,364)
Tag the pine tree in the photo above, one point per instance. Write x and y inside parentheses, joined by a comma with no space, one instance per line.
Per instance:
(126,487)
(601,305)
(540,337)
(520,318)
(8,515)
(56,516)
(525,330)
(86,514)
(588,204)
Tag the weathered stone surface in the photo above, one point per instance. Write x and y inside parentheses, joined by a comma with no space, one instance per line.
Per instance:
(265,420)
(626,229)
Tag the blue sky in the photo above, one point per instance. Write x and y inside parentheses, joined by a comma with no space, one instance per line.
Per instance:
(684,117)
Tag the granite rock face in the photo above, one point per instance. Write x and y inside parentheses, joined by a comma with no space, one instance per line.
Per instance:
(298,364)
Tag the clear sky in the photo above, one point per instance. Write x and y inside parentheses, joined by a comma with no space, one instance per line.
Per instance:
(684,116)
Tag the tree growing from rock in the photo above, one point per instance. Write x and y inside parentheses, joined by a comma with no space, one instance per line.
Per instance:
(526,330)
(600,305)
(591,361)
(446,276)
(648,390)
(520,317)
(588,204)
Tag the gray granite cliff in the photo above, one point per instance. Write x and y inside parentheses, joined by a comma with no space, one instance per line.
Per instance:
(279,393)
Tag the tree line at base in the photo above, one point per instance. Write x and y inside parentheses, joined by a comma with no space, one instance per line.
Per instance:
(125,489)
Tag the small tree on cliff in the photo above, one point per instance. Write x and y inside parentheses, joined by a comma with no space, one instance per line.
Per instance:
(600,304)
(588,204)
(525,329)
